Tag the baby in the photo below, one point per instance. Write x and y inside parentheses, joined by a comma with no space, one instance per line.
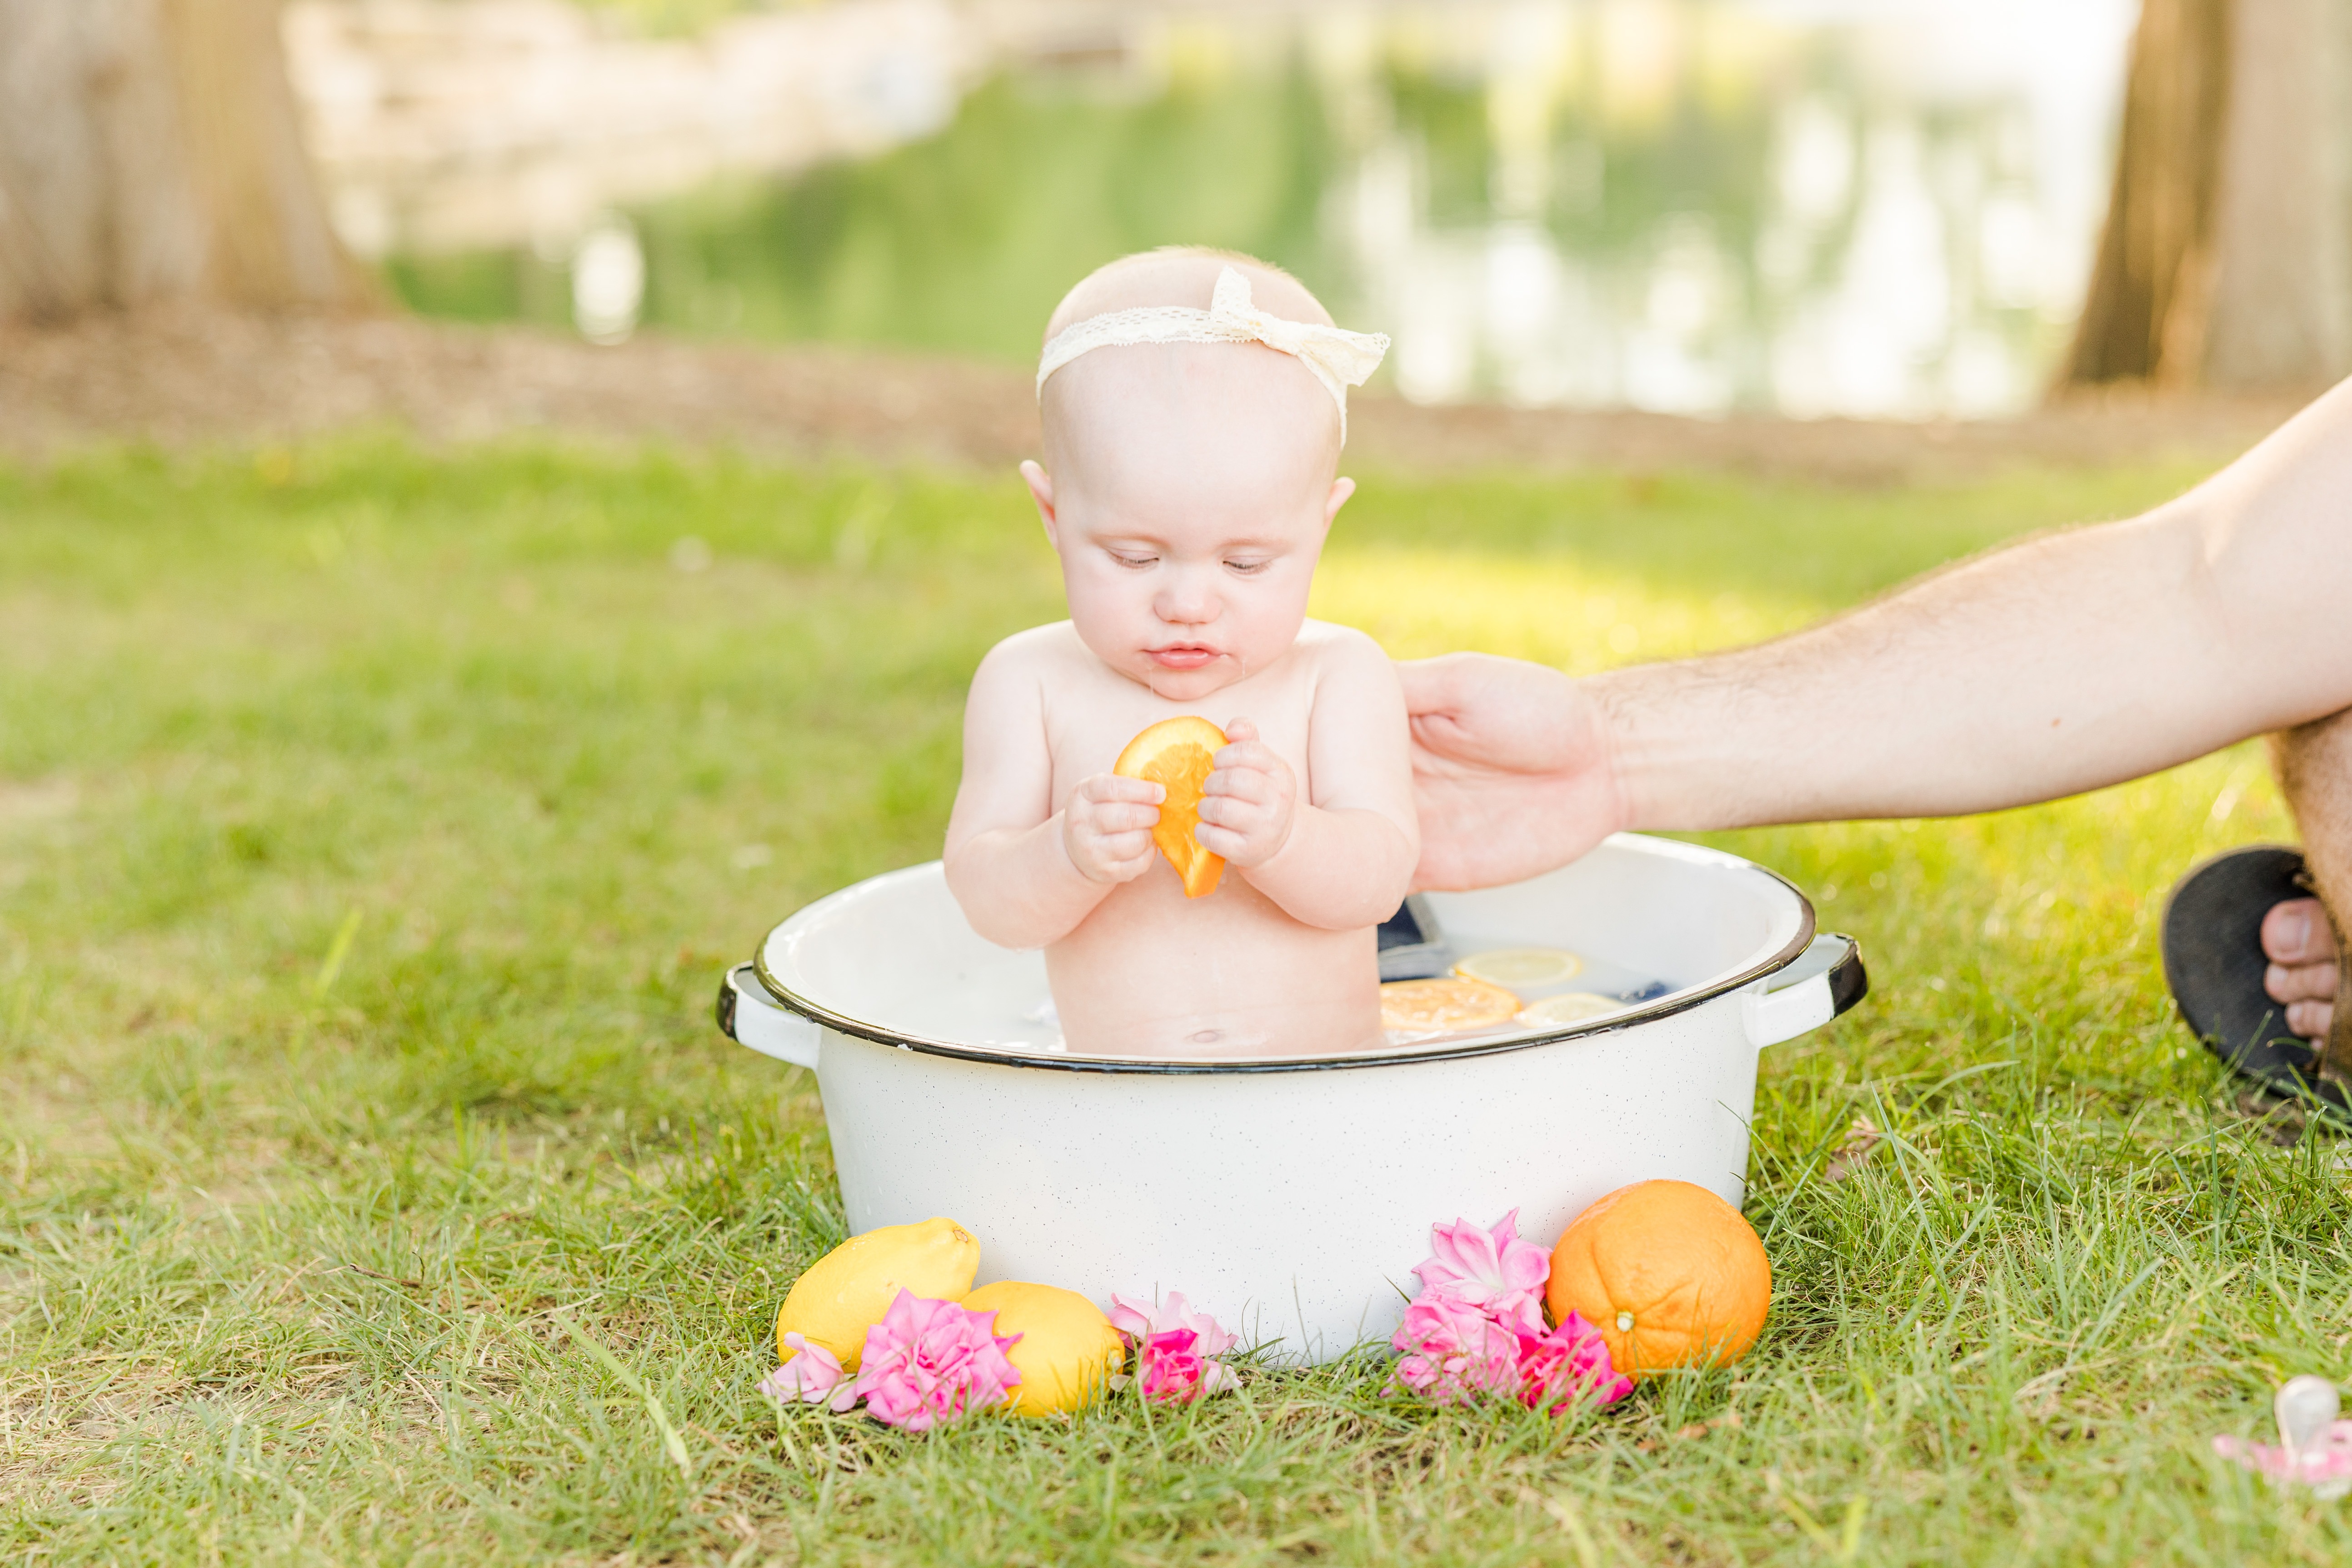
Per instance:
(1194,406)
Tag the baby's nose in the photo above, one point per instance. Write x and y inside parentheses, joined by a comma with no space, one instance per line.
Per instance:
(1190,604)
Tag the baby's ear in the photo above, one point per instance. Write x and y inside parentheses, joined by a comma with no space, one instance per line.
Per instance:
(1041,491)
(1341,490)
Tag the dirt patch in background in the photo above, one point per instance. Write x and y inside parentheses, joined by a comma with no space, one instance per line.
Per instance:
(184,377)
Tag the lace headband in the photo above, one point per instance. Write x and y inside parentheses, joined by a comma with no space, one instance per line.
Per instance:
(1340,359)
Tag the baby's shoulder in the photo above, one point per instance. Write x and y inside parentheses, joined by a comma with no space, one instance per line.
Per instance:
(1329,646)
(1039,652)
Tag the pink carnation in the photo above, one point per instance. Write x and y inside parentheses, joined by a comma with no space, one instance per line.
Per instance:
(1477,1327)
(1568,1365)
(811,1376)
(2324,1465)
(1490,1270)
(927,1362)
(1455,1350)
(1175,1349)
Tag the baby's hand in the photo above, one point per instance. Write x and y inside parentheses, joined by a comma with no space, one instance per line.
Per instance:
(1106,827)
(1246,807)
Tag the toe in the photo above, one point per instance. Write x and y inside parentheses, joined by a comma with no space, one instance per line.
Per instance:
(2310,1019)
(2300,983)
(2297,932)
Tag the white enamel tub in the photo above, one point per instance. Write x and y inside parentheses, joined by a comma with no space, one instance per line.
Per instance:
(1289,1198)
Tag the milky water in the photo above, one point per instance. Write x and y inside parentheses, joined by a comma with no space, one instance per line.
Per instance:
(1008,1006)
(1600,976)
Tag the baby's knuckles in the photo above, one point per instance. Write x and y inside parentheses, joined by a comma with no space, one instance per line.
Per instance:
(1106,833)
(1251,828)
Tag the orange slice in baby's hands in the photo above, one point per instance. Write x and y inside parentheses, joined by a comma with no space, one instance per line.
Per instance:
(1178,754)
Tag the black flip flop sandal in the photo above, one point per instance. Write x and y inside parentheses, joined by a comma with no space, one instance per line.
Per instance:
(2214,963)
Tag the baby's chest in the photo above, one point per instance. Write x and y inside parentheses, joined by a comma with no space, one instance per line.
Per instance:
(1085,739)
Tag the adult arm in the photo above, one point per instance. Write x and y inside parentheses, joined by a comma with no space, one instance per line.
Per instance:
(2061,664)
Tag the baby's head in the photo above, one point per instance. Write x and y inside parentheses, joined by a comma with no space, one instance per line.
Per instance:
(1187,486)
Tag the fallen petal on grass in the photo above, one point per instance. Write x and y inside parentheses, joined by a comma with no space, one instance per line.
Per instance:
(810,1377)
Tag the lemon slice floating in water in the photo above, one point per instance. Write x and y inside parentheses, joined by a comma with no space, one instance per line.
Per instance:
(1570,1008)
(1521,968)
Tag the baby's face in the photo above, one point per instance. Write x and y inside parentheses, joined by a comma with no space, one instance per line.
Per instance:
(1191,492)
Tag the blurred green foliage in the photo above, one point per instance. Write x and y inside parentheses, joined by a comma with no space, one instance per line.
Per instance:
(683,18)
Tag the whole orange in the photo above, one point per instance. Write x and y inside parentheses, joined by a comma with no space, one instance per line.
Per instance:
(1669,1273)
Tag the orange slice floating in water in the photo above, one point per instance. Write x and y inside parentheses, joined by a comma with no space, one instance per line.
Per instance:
(1178,754)
(1444,1006)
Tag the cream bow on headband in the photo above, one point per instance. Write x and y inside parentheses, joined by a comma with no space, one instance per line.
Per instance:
(1340,359)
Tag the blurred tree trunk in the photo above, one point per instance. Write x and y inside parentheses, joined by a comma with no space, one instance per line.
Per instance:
(151,150)
(2145,317)
(2227,255)
(2282,296)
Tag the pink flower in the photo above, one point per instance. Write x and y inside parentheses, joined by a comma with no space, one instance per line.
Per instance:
(1454,1350)
(1492,1270)
(1568,1365)
(2323,1465)
(927,1362)
(1176,1349)
(1477,1327)
(812,1374)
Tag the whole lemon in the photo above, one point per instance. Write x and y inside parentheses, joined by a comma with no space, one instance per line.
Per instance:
(1068,1351)
(846,1292)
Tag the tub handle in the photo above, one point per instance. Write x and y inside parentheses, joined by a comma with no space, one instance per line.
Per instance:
(1826,979)
(748,1016)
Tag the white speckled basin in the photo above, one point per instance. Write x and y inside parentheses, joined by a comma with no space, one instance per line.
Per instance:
(1289,1197)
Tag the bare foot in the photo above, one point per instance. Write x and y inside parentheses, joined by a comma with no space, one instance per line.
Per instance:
(2300,946)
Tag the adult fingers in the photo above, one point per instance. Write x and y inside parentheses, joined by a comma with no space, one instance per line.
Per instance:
(2297,932)
(1433,685)
(2311,1019)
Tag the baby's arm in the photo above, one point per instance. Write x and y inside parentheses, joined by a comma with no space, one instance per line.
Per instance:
(1344,860)
(1025,874)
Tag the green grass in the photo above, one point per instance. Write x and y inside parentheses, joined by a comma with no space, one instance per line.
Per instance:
(293,1250)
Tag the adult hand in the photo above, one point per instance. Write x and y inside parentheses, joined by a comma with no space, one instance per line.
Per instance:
(1511,769)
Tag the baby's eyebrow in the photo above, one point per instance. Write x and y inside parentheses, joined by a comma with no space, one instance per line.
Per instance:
(1223,547)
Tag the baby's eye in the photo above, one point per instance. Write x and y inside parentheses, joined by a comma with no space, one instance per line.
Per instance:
(1248,568)
(1134,562)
